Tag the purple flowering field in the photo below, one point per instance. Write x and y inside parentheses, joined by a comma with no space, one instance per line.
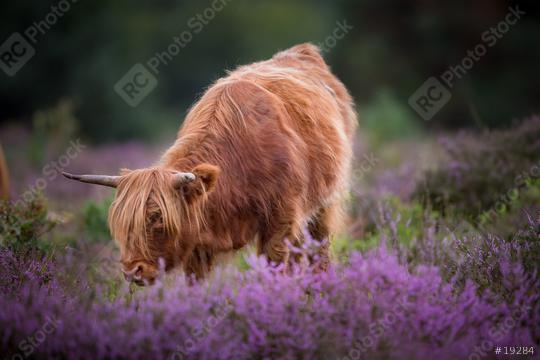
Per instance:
(439,260)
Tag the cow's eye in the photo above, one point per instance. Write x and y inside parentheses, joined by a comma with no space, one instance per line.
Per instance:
(155,219)
(157,226)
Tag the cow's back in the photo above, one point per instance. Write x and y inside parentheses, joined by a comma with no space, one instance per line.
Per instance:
(320,112)
(281,132)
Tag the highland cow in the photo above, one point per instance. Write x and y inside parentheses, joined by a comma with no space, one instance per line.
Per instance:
(265,152)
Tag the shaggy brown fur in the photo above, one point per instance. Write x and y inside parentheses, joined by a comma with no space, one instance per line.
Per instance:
(270,145)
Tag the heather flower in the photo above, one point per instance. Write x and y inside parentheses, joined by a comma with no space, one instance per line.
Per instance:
(374,306)
(481,168)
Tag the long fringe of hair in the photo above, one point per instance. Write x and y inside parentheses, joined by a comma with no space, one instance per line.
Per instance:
(128,215)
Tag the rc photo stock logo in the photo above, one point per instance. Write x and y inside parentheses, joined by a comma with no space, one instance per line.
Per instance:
(14,53)
(435,92)
(17,49)
(136,84)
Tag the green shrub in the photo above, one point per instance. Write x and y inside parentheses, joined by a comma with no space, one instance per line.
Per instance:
(388,118)
(400,223)
(22,225)
(504,220)
(53,128)
(94,220)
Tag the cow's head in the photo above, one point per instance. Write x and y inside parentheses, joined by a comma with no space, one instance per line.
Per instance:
(156,216)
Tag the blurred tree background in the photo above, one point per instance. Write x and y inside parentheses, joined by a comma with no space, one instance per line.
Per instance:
(392,48)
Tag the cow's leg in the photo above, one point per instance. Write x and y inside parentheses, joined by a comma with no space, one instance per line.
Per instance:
(274,247)
(320,227)
(272,240)
(298,257)
(199,263)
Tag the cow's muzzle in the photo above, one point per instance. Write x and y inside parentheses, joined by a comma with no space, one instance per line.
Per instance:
(141,274)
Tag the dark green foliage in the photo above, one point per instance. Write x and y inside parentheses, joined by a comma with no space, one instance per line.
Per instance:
(390,43)
(94,219)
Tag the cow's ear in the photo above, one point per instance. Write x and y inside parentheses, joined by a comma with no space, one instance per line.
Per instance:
(206,176)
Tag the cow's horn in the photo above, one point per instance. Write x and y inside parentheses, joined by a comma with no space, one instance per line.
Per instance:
(181,178)
(105,180)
